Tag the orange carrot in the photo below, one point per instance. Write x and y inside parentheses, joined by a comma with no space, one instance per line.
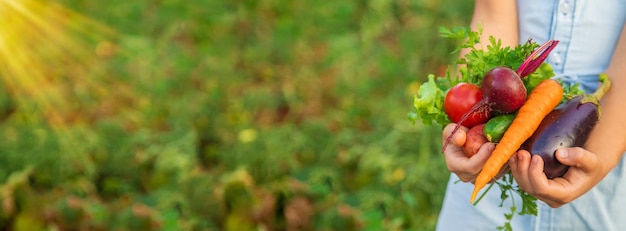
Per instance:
(542,99)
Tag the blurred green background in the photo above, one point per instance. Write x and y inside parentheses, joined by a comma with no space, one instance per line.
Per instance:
(239,115)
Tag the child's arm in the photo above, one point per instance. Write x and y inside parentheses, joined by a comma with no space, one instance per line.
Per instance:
(498,18)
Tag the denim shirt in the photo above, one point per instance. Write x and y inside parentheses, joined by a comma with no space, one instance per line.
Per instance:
(588,32)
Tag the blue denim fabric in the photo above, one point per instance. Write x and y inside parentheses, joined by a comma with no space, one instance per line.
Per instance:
(588,32)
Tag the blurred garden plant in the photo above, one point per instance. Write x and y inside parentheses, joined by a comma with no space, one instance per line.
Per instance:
(219,115)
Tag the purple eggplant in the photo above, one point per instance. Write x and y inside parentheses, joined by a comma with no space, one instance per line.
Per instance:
(569,125)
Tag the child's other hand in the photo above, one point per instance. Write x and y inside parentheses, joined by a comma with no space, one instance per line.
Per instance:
(585,171)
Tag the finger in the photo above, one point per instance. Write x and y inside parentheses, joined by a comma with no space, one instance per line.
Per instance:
(578,157)
(459,163)
(459,137)
(476,162)
(554,192)
(454,154)
(536,177)
(519,164)
(456,161)
(467,168)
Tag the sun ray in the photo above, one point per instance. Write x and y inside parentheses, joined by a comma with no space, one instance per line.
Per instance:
(49,59)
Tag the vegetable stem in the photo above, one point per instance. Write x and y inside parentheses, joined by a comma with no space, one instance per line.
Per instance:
(605,85)
(484,193)
(596,96)
(534,60)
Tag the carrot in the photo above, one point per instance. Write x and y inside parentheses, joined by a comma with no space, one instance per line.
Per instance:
(541,101)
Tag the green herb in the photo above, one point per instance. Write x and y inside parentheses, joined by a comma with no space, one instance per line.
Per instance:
(570,91)
(529,202)
(462,33)
(480,60)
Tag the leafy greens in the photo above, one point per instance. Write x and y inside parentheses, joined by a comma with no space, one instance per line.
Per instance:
(479,59)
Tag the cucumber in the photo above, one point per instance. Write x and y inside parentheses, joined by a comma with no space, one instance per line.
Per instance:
(496,126)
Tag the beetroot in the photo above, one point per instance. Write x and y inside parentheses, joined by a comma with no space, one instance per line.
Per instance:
(503,90)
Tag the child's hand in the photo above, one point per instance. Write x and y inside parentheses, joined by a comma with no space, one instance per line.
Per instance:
(464,167)
(585,171)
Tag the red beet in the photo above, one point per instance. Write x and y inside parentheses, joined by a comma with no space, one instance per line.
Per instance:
(503,91)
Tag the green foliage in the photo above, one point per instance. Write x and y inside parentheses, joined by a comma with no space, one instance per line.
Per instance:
(429,102)
(481,58)
(240,115)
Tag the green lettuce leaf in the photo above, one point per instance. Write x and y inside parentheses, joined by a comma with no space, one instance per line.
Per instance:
(428,103)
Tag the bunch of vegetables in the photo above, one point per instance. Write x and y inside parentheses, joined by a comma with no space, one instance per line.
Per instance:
(505,95)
